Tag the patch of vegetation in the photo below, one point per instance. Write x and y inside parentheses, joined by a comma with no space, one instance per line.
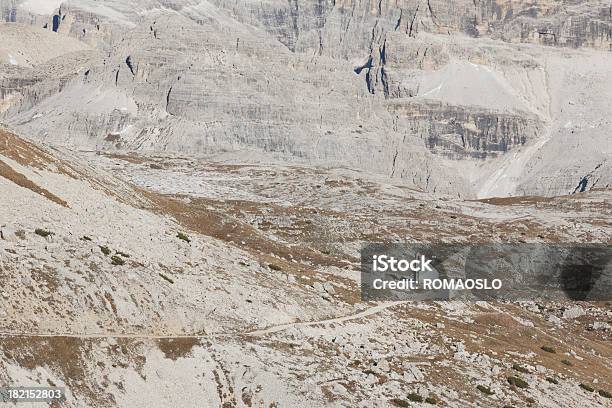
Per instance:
(484,389)
(567,362)
(552,380)
(85,238)
(43,233)
(177,348)
(105,250)
(518,382)
(548,349)
(400,403)
(587,387)
(431,400)
(123,254)
(117,260)
(415,397)
(166,278)
(275,267)
(520,369)
(184,237)
(530,400)
(604,394)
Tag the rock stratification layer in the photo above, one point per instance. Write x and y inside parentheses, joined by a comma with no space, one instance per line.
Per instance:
(448,96)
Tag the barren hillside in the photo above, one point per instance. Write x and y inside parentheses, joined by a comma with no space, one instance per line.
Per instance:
(185,187)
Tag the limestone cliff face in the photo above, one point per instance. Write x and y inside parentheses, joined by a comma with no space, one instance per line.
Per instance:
(410,89)
(460,132)
(342,28)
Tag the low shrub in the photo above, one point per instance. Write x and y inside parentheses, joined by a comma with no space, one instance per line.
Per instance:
(400,403)
(431,400)
(604,394)
(415,397)
(518,382)
(85,238)
(587,387)
(552,380)
(184,237)
(484,390)
(164,277)
(548,349)
(43,233)
(117,260)
(520,369)
(567,362)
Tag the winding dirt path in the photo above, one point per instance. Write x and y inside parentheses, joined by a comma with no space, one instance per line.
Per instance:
(256,333)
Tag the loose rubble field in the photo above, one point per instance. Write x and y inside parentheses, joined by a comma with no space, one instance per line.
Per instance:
(160,280)
(185,186)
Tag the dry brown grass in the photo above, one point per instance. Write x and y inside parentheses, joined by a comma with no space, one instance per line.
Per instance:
(500,333)
(10,174)
(522,200)
(29,155)
(67,357)
(199,217)
(179,347)
(22,152)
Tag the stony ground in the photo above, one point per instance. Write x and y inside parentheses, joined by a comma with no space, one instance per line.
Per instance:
(178,281)
(182,211)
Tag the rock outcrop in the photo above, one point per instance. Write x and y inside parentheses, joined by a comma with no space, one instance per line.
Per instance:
(414,90)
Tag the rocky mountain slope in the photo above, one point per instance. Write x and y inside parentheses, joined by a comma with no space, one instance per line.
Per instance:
(160,281)
(185,186)
(451,97)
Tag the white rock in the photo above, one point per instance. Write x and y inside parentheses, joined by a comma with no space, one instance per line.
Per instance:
(573,312)
(8,234)
(339,389)
(383,365)
(600,326)
(412,373)
(371,379)
(329,288)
